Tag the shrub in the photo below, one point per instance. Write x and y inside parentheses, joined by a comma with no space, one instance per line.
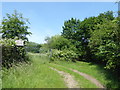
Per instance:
(58,42)
(64,55)
(33,47)
(12,53)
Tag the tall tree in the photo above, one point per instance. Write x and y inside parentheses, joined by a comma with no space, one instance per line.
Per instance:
(76,31)
(15,26)
(59,42)
(70,28)
(104,43)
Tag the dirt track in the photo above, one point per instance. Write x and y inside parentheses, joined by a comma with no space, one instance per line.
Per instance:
(68,79)
(88,77)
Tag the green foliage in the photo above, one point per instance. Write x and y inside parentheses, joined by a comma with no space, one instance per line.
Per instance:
(60,48)
(58,42)
(14,26)
(11,53)
(104,44)
(64,55)
(77,33)
(33,47)
(97,39)
(7,42)
(44,48)
(70,28)
(34,75)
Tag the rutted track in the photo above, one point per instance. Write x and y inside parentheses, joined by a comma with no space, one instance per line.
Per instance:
(88,77)
(68,79)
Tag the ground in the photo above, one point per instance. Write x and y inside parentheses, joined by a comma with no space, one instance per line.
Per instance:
(41,73)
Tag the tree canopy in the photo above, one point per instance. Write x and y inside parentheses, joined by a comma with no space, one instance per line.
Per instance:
(96,38)
(15,26)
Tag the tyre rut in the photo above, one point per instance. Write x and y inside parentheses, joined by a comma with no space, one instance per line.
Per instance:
(68,79)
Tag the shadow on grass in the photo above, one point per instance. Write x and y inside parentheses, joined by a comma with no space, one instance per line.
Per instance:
(112,78)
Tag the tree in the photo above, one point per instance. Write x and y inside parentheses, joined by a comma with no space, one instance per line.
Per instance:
(59,42)
(76,32)
(104,44)
(70,28)
(15,26)
(79,33)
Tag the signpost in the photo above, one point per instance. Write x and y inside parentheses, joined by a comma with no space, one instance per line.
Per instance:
(19,42)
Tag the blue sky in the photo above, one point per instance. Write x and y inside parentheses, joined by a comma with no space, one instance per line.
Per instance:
(47,18)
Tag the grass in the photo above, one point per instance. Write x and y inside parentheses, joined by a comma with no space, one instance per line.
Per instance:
(96,71)
(82,82)
(37,74)
(34,75)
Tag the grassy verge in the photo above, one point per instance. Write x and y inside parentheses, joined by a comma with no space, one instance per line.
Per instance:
(97,71)
(34,75)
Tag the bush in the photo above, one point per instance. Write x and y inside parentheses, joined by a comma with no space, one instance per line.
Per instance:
(105,45)
(64,55)
(58,42)
(11,53)
(33,47)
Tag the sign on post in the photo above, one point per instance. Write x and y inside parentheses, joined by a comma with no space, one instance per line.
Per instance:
(19,42)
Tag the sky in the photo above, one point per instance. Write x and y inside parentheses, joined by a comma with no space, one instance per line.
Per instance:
(47,18)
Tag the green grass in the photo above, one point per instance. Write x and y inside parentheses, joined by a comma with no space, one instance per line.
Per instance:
(96,71)
(37,74)
(82,82)
(34,75)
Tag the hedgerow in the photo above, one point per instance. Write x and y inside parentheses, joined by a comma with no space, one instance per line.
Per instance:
(11,53)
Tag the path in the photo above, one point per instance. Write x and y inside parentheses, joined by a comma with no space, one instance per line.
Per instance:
(88,77)
(68,79)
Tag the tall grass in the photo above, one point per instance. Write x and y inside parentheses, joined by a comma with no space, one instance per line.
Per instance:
(33,75)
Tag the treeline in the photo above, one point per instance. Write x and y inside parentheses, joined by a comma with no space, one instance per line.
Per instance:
(95,39)
(33,47)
